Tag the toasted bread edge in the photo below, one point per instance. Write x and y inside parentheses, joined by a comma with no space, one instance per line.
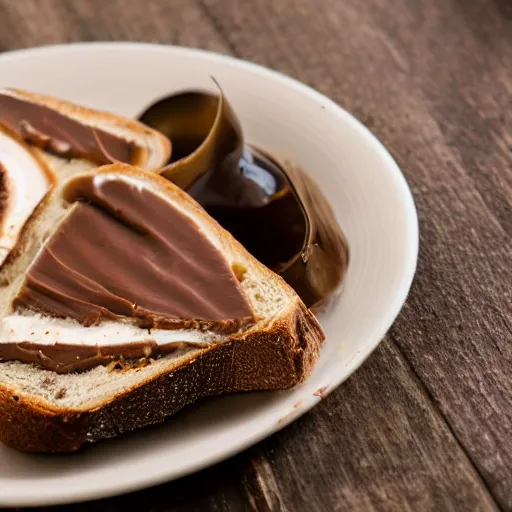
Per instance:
(273,359)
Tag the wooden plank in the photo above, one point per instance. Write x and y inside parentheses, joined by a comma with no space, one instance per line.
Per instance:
(377,442)
(32,23)
(433,80)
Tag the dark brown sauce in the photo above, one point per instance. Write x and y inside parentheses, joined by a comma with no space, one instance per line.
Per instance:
(273,232)
(264,216)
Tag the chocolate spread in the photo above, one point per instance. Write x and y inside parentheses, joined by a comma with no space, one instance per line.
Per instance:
(68,358)
(131,253)
(126,253)
(60,135)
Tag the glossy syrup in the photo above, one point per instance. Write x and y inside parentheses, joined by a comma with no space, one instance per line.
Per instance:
(272,229)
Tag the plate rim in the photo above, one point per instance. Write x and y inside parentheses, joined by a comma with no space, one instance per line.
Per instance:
(411,233)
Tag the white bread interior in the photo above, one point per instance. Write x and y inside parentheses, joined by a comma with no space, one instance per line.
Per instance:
(27,180)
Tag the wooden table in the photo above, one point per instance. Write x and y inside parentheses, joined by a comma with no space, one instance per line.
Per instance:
(426,423)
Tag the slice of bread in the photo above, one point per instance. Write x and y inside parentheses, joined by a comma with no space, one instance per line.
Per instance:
(45,411)
(154,147)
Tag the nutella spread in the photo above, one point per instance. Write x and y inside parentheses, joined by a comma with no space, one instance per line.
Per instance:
(64,345)
(61,135)
(124,275)
(128,252)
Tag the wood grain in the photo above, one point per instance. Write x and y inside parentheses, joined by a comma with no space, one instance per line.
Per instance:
(376,445)
(433,80)
(426,424)
(32,23)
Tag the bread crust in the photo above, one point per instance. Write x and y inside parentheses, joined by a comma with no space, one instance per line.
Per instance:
(277,357)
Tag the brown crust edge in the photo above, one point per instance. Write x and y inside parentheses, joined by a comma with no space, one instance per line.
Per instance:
(278,357)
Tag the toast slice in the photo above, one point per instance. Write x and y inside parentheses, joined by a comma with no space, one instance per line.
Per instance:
(151,149)
(44,140)
(44,410)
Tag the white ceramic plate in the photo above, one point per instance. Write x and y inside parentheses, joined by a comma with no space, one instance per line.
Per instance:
(366,188)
